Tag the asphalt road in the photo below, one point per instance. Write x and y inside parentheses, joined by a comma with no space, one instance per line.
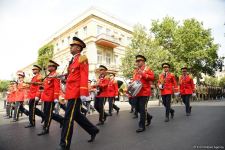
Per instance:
(204,129)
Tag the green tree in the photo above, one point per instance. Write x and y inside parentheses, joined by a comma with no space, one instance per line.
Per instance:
(189,43)
(212,81)
(222,82)
(45,53)
(4,85)
(179,44)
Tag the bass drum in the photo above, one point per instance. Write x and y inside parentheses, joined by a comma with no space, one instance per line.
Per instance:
(134,88)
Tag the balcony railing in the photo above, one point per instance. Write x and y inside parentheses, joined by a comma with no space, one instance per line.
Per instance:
(107,40)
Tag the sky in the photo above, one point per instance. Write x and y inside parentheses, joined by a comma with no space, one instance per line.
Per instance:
(26,24)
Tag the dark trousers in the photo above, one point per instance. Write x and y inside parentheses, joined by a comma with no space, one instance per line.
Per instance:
(19,108)
(73,113)
(8,109)
(32,107)
(141,106)
(16,110)
(48,110)
(167,103)
(112,105)
(134,103)
(186,101)
(99,106)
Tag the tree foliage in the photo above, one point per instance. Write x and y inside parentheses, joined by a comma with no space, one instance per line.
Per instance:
(45,53)
(180,44)
(4,85)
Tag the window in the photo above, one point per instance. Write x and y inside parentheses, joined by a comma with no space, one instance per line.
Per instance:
(99,29)
(68,39)
(76,34)
(128,39)
(108,58)
(99,57)
(116,59)
(85,30)
(57,46)
(108,31)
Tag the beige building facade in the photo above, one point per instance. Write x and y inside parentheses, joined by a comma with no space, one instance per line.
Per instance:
(105,36)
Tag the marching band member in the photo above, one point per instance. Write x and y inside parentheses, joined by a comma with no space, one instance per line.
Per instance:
(144,74)
(102,94)
(34,94)
(49,95)
(187,88)
(10,99)
(167,85)
(20,96)
(112,93)
(76,88)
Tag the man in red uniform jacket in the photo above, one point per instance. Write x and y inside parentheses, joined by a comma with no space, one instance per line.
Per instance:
(76,88)
(50,94)
(112,93)
(34,94)
(20,96)
(167,85)
(102,94)
(187,88)
(145,75)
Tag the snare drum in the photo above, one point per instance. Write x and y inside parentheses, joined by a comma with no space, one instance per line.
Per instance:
(134,88)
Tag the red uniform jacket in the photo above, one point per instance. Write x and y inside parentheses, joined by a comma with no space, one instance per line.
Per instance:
(34,88)
(146,77)
(77,79)
(21,92)
(103,85)
(186,85)
(112,88)
(169,83)
(51,88)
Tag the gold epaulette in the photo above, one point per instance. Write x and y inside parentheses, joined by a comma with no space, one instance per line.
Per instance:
(107,76)
(39,77)
(115,81)
(83,59)
(172,74)
(191,77)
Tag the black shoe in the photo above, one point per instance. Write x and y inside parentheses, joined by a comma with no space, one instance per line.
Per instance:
(140,130)
(172,114)
(100,123)
(105,116)
(110,114)
(93,136)
(30,126)
(149,120)
(190,108)
(167,119)
(117,111)
(43,132)
(42,120)
(131,111)
(188,114)
(61,124)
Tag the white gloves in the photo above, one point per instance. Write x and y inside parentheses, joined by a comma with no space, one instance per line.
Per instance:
(193,94)
(161,86)
(116,97)
(177,94)
(36,99)
(83,98)
(56,100)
